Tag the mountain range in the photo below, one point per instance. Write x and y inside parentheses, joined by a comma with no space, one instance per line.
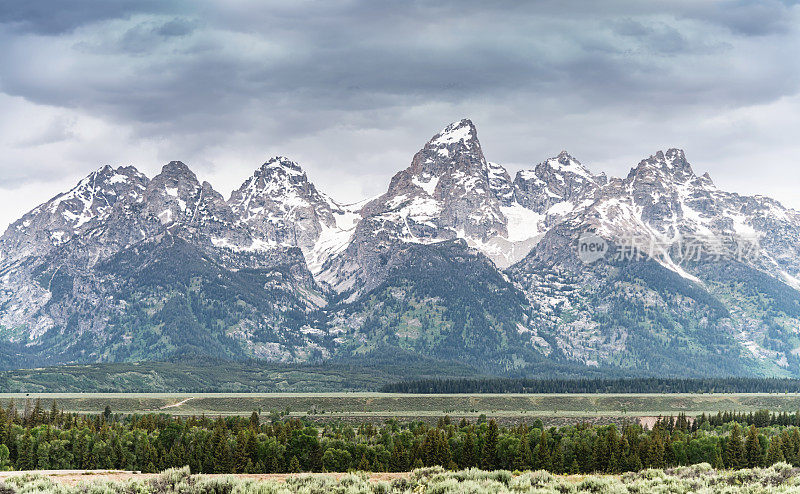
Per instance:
(557,270)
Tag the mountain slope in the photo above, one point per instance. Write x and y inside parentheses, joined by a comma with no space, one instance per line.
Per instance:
(168,271)
(556,269)
(682,262)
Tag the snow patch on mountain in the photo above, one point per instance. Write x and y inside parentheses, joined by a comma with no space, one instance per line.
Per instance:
(429,185)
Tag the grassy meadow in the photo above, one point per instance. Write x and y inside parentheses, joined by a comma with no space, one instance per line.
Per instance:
(380,406)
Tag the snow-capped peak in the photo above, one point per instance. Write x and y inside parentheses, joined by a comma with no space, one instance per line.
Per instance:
(282,183)
(280,205)
(284,164)
(565,164)
(671,166)
(95,194)
(70,213)
(457,132)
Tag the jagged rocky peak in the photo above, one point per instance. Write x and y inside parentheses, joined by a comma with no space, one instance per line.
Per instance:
(82,207)
(561,182)
(178,169)
(174,174)
(453,151)
(279,183)
(665,167)
(95,194)
(665,185)
(282,168)
(455,146)
(560,169)
(445,192)
(461,134)
(500,183)
(175,198)
(173,194)
(280,204)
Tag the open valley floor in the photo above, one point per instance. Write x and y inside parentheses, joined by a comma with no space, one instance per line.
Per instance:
(378,407)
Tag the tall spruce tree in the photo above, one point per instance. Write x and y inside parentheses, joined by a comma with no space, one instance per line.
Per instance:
(775,451)
(489,460)
(734,456)
(752,446)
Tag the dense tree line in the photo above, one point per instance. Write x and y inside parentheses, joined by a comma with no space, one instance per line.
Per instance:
(622,385)
(36,438)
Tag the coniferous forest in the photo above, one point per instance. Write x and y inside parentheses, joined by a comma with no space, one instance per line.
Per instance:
(619,385)
(42,438)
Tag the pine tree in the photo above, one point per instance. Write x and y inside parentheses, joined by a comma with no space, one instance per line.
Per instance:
(294,465)
(655,452)
(525,455)
(240,456)
(734,449)
(793,445)
(5,458)
(541,453)
(754,455)
(469,457)
(775,451)
(600,453)
(398,462)
(718,463)
(80,451)
(429,448)
(557,459)
(36,415)
(53,412)
(489,452)
(42,456)
(25,453)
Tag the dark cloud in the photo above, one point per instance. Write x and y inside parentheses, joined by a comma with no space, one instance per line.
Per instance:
(747,17)
(54,17)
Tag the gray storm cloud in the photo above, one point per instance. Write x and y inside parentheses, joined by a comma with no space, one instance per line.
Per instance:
(352,89)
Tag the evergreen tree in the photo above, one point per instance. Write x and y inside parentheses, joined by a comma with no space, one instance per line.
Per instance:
(25,453)
(53,412)
(489,451)
(734,449)
(754,455)
(525,456)
(42,456)
(775,451)
(399,461)
(294,465)
(793,446)
(655,451)
(542,452)
(469,457)
(5,458)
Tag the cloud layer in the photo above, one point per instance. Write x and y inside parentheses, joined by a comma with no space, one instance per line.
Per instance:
(352,89)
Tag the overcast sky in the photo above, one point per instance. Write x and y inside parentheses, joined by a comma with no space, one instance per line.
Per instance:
(351,90)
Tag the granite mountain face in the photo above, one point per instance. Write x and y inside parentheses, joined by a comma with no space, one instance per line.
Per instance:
(457,261)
